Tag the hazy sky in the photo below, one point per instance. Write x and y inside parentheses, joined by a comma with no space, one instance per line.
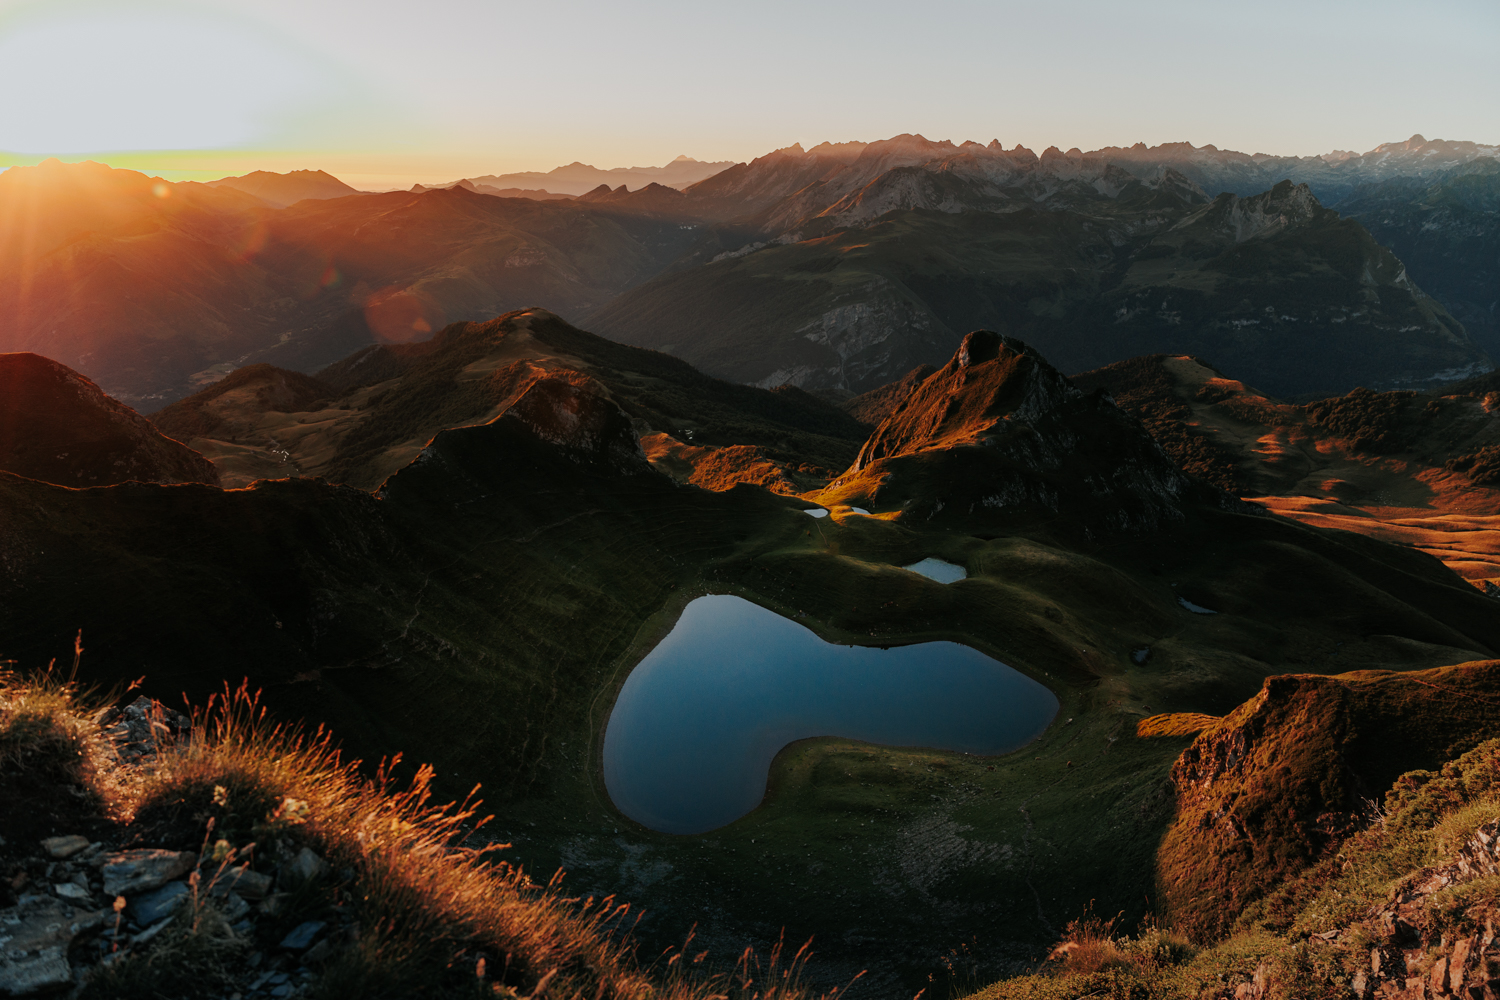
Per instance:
(393,91)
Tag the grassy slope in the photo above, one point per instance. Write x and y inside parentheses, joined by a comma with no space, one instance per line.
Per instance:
(385,403)
(414,908)
(483,622)
(1324,932)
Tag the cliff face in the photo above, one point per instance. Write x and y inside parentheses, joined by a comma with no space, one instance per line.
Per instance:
(1283,780)
(999,429)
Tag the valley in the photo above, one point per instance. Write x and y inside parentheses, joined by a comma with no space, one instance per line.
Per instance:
(521,562)
(925,550)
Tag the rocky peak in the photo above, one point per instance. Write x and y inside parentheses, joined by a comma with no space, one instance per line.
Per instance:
(574,414)
(1283,206)
(564,424)
(998,430)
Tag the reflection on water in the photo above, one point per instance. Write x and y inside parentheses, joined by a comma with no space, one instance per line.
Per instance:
(937,569)
(689,743)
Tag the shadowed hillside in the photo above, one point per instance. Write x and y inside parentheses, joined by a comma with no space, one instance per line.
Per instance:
(481,610)
(1274,285)
(370,414)
(57,426)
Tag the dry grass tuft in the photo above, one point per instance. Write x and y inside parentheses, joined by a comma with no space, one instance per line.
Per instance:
(427,914)
(1174,724)
(52,757)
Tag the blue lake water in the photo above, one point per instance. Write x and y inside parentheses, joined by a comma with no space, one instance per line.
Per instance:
(689,744)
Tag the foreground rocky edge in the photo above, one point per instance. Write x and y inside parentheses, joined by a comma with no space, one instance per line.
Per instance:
(226,857)
(1407,909)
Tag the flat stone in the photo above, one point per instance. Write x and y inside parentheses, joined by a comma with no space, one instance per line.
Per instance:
(242,881)
(302,869)
(303,935)
(147,909)
(318,953)
(152,931)
(234,906)
(127,872)
(73,892)
(34,939)
(63,848)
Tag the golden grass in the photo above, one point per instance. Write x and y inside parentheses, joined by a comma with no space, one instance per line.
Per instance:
(1174,724)
(422,907)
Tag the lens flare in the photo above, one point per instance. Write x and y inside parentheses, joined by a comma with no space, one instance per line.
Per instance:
(398,315)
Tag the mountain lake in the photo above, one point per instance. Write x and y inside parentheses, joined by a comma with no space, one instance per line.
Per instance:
(689,743)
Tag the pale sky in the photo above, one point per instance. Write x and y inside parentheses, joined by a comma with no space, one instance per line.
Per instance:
(387,92)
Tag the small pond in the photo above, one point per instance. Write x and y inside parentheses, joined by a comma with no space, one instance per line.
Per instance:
(939,570)
(689,744)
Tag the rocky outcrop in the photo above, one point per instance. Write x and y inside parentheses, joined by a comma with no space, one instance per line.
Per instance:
(1280,782)
(563,426)
(1000,431)
(72,910)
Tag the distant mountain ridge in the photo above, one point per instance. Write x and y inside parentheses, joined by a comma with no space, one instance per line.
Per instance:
(874,266)
(1331,176)
(577,178)
(281,190)
(156,289)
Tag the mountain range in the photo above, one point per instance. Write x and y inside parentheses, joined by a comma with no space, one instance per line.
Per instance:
(155,289)
(578,178)
(837,268)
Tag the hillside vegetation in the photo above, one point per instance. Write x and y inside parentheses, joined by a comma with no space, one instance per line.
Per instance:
(1406,908)
(367,416)
(233,855)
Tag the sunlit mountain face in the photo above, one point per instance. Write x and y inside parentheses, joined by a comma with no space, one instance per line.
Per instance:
(837,267)
(925,549)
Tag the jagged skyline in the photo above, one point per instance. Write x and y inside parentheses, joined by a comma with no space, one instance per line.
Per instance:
(215,87)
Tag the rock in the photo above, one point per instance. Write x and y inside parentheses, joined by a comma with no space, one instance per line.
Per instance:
(318,953)
(303,935)
(153,906)
(34,940)
(302,869)
(272,904)
(73,892)
(127,872)
(234,907)
(151,932)
(143,726)
(1439,977)
(65,847)
(242,881)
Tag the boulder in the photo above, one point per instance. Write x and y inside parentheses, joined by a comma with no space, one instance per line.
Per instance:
(302,869)
(62,848)
(127,872)
(159,903)
(243,881)
(73,892)
(303,935)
